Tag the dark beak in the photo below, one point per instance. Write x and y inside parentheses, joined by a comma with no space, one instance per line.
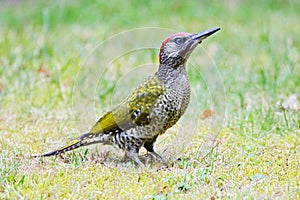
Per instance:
(194,40)
(202,35)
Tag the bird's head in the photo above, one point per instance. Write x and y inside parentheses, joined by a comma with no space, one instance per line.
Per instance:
(176,48)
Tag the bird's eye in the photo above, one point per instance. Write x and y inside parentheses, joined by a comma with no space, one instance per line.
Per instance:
(178,40)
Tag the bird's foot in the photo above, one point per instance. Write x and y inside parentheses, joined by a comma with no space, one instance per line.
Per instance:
(158,157)
(134,156)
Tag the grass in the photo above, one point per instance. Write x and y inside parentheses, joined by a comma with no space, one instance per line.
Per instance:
(65,63)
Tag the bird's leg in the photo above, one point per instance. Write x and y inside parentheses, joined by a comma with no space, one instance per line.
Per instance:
(149,147)
(157,156)
(133,154)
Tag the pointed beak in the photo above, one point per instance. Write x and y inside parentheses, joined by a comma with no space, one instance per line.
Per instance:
(202,35)
(194,40)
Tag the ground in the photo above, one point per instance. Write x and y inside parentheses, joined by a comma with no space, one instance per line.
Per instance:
(64,63)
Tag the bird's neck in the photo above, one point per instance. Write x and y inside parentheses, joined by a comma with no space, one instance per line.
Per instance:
(168,74)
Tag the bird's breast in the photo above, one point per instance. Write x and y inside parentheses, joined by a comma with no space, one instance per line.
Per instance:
(170,106)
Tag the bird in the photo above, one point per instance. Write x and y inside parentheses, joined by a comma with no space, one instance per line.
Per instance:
(152,108)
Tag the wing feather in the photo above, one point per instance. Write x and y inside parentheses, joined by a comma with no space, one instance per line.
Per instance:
(134,110)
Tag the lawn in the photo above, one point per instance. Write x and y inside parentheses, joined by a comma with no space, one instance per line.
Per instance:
(64,63)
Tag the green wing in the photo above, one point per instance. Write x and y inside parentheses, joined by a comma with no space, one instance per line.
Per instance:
(134,110)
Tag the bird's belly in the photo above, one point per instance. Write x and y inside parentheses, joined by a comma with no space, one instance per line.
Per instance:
(166,114)
(163,116)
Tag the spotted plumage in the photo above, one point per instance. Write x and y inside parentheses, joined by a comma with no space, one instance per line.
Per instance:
(152,108)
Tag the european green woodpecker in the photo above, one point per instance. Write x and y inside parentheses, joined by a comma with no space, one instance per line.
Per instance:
(152,108)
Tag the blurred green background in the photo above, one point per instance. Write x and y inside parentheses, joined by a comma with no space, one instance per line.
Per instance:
(52,54)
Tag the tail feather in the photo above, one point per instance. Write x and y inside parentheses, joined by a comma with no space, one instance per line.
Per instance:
(85,139)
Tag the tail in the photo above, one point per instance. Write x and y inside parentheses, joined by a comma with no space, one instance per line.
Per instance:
(84,140)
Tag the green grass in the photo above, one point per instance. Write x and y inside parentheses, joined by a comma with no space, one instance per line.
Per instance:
(64,63)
